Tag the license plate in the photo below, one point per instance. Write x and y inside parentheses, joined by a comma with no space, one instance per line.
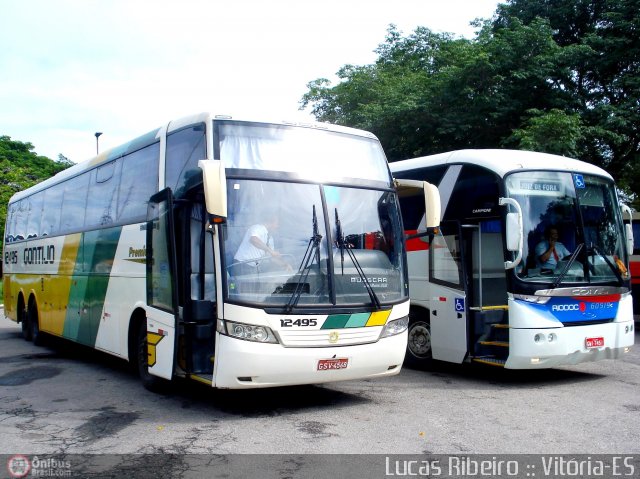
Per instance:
(594,343)
(331,364)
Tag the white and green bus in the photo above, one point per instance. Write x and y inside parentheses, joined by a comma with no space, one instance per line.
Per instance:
(137,252)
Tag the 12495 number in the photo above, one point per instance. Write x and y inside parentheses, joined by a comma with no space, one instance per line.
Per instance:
(302,323)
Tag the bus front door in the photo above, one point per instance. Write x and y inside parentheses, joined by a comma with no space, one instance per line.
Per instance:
(448,299)
(161,286)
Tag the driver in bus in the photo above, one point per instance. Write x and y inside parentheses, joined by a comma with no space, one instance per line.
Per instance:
(257,245)
(550,251)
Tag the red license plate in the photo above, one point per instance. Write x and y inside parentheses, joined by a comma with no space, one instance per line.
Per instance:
(594,343)
(330,364)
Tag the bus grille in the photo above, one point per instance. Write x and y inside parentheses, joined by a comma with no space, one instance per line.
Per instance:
(587,323)
(330,337)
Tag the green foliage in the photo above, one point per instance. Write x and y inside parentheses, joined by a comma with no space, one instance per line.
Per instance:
(554,132)
(20,168)
(559,76)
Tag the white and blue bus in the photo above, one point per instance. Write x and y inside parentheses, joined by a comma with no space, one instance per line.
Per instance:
(485,289)
(137,253)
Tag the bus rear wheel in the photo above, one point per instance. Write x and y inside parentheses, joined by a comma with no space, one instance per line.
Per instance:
(24,322)
(419,351)
(34,324)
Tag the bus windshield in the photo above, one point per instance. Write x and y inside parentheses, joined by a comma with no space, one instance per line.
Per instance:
(311,153)
(294,244)
(572,231)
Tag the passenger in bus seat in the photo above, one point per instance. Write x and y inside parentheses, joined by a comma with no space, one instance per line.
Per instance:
(550,251)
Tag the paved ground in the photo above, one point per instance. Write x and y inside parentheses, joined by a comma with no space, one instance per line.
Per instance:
(66,399)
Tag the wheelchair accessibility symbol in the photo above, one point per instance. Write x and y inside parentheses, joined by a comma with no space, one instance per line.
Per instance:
(459,305)
(579,181)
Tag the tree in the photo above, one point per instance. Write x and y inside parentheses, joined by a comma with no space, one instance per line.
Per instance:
(601,45)
(559,76)
(20,168)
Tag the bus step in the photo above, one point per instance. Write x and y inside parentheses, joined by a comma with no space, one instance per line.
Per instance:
(502,344)
(491,361)
(208,379)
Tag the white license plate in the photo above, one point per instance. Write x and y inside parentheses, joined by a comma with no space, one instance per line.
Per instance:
(332,364)
(594,342)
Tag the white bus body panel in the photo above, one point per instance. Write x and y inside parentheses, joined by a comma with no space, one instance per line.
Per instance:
(267,365)
(127,287)
(270,365)
(568,345)
(448,324)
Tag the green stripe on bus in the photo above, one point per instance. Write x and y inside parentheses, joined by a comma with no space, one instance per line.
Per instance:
(341,321)
(336,321)
(89,284)
(358,320)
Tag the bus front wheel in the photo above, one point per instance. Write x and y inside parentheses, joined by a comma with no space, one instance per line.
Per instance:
(419,343)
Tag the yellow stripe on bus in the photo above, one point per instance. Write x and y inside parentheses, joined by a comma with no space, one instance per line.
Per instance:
(58,287)
(379,318)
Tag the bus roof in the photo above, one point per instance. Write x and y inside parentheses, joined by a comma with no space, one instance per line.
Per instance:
(502,161)
(154,135)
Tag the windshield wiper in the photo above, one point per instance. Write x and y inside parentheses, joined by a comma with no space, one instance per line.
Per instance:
(313,251)
(567,266)
(346,247)
(609,263)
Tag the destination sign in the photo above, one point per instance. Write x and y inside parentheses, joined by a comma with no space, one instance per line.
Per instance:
(545,186)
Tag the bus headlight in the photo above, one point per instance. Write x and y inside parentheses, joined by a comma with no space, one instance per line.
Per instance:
(249,332)
(394,327)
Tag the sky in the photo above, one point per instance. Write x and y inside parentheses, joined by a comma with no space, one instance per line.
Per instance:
(70,68)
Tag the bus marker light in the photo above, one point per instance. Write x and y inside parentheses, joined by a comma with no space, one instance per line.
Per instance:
(535,360)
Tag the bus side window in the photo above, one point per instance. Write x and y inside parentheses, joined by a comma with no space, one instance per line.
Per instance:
(101,202)
(35,213)
(74,203)
(139,183)
(184,149)
(50,223)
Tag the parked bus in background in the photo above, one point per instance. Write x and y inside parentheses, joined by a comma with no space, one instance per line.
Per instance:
(530,268)
(239,254)
(634,263)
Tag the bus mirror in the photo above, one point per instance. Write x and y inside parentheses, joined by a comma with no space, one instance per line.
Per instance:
(628,228)
(429,194)
(215,188)
(513,232)
(432,206)
(629,236)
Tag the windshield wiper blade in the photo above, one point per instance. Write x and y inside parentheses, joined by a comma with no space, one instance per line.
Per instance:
(567,266)
(313,250)
(345,247)
(609,263)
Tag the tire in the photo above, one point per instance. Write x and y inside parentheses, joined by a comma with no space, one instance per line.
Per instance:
(34,324)
(419,353)
(24,322)
(149,381)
